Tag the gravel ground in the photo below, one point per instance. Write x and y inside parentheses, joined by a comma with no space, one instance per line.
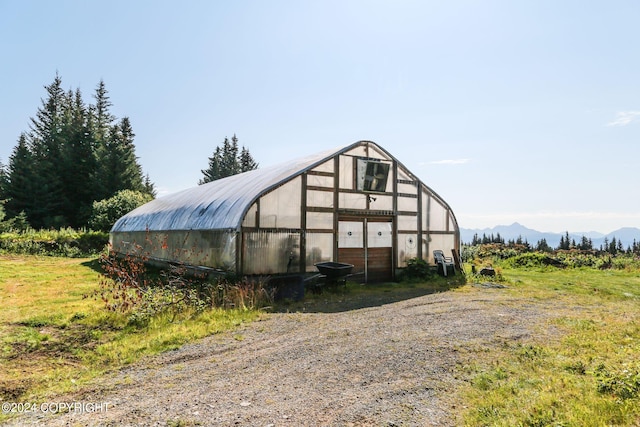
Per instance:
(396,364)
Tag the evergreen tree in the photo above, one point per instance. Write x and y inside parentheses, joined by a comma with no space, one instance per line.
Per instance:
(543,246)
(229,161)
(226,161)
(78,164)
(72,155)
(247,163)
(213,172)
(585,244)
(19,190)
(102,119)
(565,242)
(118,164)
(45,143)
(149,187)
(4,179)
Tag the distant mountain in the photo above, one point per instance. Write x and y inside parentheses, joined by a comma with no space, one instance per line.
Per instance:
(511,232)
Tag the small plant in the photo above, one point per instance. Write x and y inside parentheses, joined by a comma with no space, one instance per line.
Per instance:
(128,287)
(124,283)
(417,269)
(243,293)
(623,384)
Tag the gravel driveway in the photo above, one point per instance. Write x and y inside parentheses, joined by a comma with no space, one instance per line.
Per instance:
(396,364)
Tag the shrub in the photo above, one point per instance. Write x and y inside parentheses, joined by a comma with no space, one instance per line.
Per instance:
(130,288)
(533,259)
(623,384)
(64,242)
(106,212)
(416,269)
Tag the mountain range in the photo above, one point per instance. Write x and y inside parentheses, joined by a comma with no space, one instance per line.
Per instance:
(511,232)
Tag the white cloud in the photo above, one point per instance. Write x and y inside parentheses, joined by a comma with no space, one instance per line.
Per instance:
(450,162)
(624,118)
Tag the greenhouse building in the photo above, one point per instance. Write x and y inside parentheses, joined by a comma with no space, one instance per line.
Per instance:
(356,205)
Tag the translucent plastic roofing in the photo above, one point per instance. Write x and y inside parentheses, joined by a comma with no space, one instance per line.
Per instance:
(220,204)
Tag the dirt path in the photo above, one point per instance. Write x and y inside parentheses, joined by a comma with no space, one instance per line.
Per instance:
(392,365)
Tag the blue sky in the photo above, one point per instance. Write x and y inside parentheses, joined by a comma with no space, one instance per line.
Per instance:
(524,111)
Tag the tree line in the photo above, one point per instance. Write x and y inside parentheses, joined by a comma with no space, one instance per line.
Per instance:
(613,247)
(73,154)
(228,160)
(76,165)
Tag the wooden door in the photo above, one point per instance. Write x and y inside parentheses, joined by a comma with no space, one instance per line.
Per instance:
(368,245)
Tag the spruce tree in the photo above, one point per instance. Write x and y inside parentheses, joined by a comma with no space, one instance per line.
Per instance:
(4,179)
(213,172)
(247,163)
(118,164)
(226,161)
(46,139)
(78,163)
(19,190)
(72,155)
(229,160)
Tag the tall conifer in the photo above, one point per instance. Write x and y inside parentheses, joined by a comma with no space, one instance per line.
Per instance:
(227,161)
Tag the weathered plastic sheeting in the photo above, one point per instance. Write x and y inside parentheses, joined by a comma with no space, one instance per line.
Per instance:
(407,188)
(346,172)
(319,249)
(280,208)
(379,235)
(325,167)
(269,252)
(407,204)
(438,215)
(320,220)
(407,248)
(407,222)
(320,181)
(443,242)
(381,202)
(320,199)
(208,248)
(352,201)
(216,205)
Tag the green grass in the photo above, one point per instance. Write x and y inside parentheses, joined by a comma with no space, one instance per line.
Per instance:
(586,373)
(53,340)
(581,368)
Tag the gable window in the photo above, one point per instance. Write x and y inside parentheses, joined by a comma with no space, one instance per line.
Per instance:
(372,175)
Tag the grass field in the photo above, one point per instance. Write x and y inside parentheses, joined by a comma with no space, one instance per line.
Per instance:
(53,340)
(582,370)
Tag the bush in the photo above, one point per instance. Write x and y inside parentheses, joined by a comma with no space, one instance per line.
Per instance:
(416,269)
(622,383)
(106,212)
(533,259)
(128,287)
(64,242)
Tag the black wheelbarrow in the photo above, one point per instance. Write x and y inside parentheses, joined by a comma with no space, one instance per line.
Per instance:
(332,274)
